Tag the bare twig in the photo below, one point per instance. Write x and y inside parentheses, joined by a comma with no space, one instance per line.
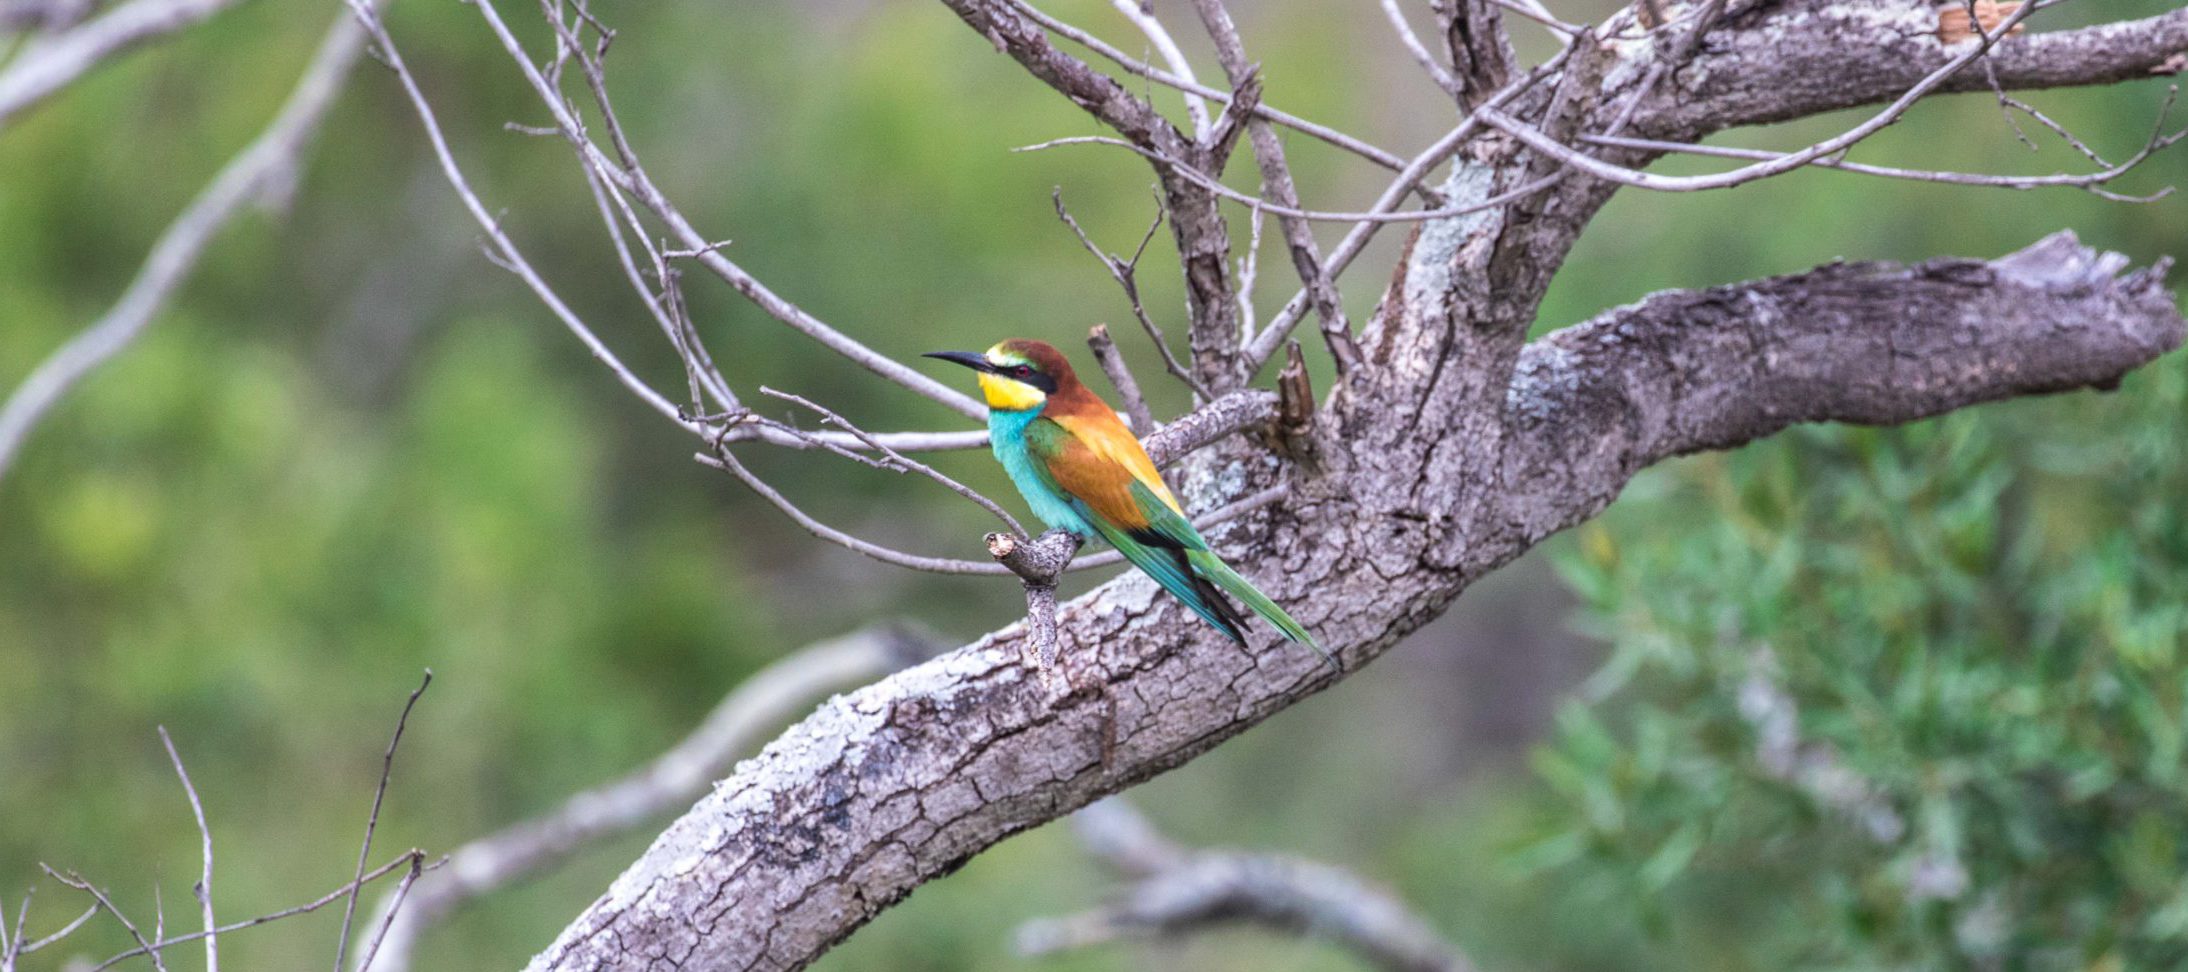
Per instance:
(1144,18)
(900,441)
(76,881)
(1543,143)
(204,888)
(1272,336)
(668,306)
(402,861)
(267,162)
(372,823)
(727,461)
(628,175)
(395,907)
(2089,181)
(1123,272)
(1142,69)
(52,64)
(1249,269)
(1436,71)
(64,932)
(2040,118)
(1120,378)
(899,462)
(1277,184)
(1260,204)
(1038,563)
(1539,14)
(736,725)
(509,256)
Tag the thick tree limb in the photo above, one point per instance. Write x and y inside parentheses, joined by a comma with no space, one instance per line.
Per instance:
(900,782)
(1790,60)
(1870,343)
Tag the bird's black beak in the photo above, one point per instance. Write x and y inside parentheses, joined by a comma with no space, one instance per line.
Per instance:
(970,359)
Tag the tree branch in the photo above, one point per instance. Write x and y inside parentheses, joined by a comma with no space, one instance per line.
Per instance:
(1870,343)
(1276,184)
(1196,218)
(267,162)
(1175,892)
(900,782)
(1120,378)
(1790,60)
(1142,69)
(51,64)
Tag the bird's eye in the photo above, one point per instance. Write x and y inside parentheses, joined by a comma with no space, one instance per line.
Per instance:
(1021,371)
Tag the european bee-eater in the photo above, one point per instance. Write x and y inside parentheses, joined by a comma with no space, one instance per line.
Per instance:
(1081,470)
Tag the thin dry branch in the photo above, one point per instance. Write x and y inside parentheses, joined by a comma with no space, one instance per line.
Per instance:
(627,175)
(203,890)
(1151,26)
(1124,271)
(2091,182)
(403,862)
(1542,142)
(1038,563)
(727,461)
(898,462)
(151,948)
(395,907)
(269,161)
(1120,378)
(1142,69)
(17,947)
(502,248)
(1412,41)
(1265,205)
(1277,184)
(372,822)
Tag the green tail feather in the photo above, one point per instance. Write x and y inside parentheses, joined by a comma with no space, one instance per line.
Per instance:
(1211,567)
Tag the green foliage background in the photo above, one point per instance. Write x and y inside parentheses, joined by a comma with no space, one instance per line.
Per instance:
(352,449)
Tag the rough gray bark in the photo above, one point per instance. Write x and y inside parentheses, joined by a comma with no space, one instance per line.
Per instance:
(1454,447)
(1790,59)
(904,780)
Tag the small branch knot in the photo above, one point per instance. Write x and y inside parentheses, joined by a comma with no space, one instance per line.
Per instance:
(1292,430)
(1038,563)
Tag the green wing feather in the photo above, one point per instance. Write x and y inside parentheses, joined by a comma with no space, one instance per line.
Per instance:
(1169,550)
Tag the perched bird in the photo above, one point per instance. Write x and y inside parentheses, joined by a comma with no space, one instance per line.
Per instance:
(1081,470)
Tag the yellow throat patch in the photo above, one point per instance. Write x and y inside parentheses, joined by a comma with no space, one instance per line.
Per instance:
(1006,395)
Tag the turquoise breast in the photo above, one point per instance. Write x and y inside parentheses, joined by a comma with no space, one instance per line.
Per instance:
(1007,436)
